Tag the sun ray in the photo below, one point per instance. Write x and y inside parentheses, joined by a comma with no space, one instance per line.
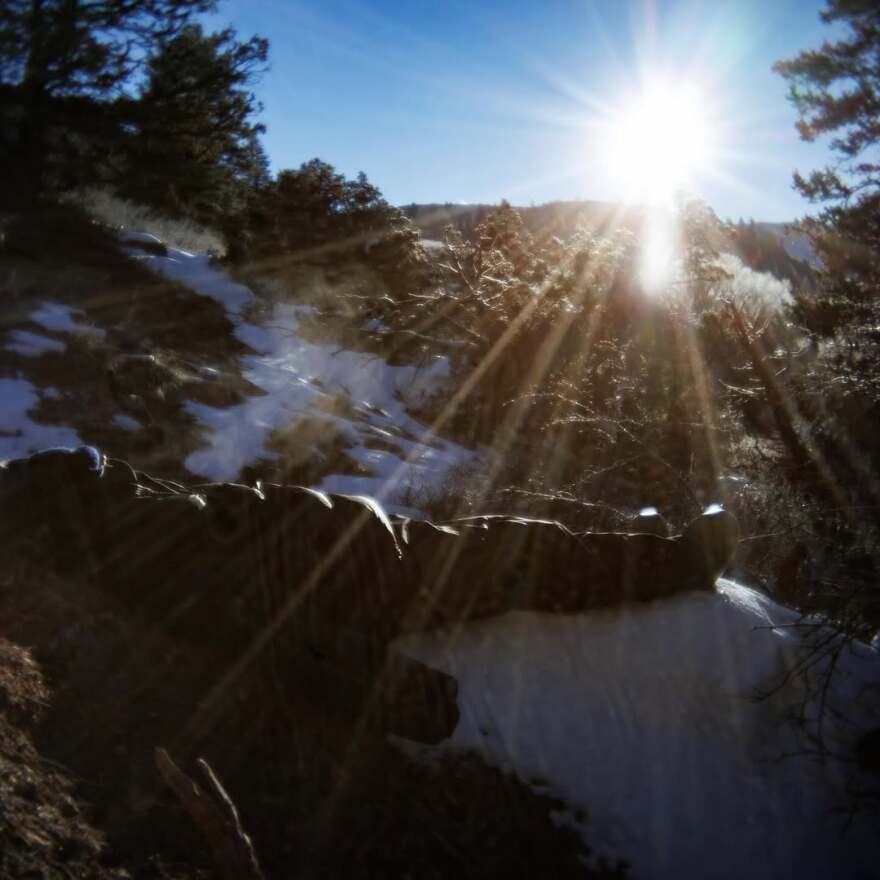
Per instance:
(659,249)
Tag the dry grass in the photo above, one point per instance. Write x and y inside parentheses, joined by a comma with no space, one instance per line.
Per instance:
(120,214)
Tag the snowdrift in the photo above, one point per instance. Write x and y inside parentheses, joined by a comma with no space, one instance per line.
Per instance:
(674,727)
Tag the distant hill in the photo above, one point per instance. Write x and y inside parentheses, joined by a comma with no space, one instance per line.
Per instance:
(543,221)
(770,247)
(796,244)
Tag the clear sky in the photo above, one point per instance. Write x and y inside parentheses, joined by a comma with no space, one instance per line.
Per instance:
(478,100)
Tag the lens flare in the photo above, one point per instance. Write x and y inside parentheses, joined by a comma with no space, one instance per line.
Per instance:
(660,142)
(659,262)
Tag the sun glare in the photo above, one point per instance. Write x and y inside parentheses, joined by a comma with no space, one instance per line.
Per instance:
(659,250)
(656,145)
(659,142)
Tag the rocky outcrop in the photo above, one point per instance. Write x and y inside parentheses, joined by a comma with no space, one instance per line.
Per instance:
(317,587)
(485,565)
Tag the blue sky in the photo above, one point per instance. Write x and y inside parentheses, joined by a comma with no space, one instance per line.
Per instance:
(478,101)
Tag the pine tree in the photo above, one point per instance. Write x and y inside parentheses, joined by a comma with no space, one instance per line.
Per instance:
(836,91)
(304,205)
(61,60)
(315,204)
(194,148)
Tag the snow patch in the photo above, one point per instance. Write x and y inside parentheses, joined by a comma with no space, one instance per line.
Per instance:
(195,271)
(646,717)
(54,318)
(20,436)
(29,344)
(126,422)
(62,318)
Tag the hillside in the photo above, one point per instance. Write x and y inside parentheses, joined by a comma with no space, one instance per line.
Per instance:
(343,538)
(796,244)
(555,218)
(589,743)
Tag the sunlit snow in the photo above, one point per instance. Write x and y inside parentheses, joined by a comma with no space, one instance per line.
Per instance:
(356,394)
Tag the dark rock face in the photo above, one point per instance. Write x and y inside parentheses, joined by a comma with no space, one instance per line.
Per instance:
(300,580)
(486,565)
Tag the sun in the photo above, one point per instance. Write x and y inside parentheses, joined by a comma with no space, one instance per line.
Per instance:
(658,144)
(659,141)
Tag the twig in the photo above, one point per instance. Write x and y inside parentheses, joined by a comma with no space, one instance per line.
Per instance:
(216,816)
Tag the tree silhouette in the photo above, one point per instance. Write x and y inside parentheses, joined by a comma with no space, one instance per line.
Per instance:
(61,61)
(836,91)
(194,147)
(315,204)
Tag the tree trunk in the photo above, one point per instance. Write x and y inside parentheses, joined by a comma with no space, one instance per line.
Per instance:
(29,153)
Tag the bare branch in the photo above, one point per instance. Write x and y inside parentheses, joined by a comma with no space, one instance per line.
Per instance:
(215,814)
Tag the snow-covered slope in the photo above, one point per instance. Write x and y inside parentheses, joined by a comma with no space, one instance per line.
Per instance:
(356,395)
(646,718)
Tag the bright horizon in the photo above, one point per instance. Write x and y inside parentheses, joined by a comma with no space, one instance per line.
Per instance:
(441,102)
